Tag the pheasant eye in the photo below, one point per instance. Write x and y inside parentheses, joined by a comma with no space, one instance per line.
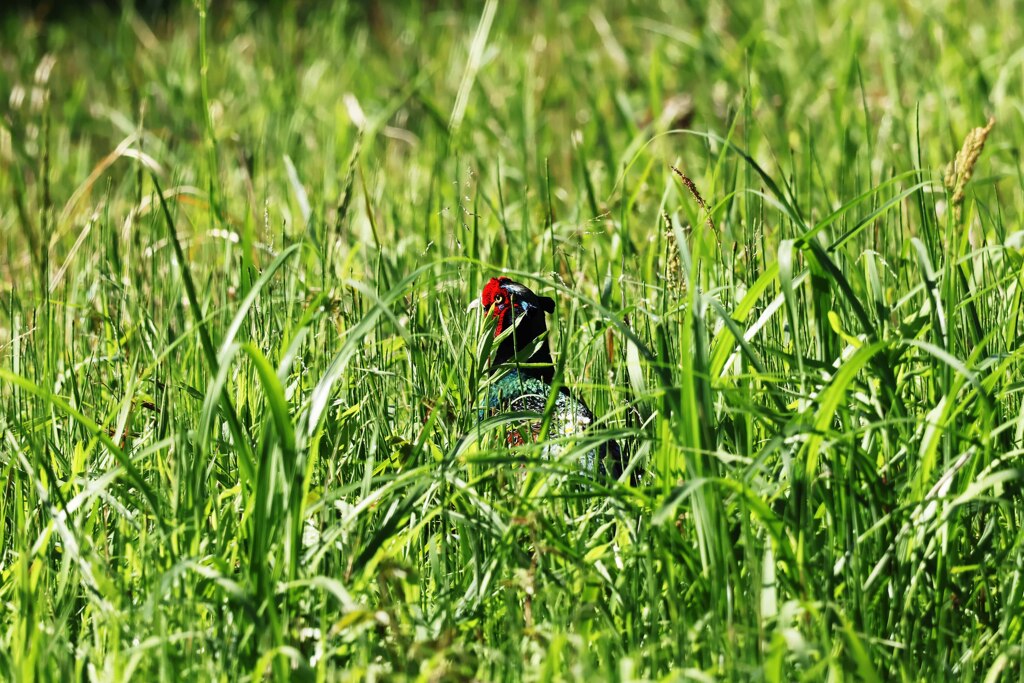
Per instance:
(498,299)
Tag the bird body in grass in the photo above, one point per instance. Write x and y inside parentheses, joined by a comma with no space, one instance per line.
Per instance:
(517,391)
(519,385)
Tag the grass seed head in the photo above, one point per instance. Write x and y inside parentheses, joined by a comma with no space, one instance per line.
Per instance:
(960,170)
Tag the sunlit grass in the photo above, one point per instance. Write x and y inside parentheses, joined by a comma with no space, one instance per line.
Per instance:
(240,387)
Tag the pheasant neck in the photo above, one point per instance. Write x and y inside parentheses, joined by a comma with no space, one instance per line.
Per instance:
(522,338)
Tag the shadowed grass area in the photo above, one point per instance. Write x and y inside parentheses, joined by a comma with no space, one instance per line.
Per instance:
(240,389)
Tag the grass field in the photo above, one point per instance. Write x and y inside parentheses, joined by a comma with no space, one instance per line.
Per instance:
(240,387)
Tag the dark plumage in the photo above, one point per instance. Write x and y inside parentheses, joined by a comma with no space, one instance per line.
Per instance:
(526,384)
(507,300)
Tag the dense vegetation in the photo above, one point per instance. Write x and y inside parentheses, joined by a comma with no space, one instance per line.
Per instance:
(240,387)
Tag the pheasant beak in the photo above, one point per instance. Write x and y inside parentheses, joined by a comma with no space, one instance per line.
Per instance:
(474,305)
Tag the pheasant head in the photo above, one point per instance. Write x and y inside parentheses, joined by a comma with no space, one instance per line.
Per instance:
(515,305)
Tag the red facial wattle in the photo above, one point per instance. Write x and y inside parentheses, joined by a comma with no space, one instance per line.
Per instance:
(496,299)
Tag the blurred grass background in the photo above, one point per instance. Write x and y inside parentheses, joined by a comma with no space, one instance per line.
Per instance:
(238,410)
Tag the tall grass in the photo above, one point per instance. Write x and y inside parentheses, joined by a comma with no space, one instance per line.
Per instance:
(240,389)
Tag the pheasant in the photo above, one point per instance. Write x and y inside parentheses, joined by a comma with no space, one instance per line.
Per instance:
(526,385)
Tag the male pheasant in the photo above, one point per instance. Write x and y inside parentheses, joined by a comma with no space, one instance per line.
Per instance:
(526,384)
